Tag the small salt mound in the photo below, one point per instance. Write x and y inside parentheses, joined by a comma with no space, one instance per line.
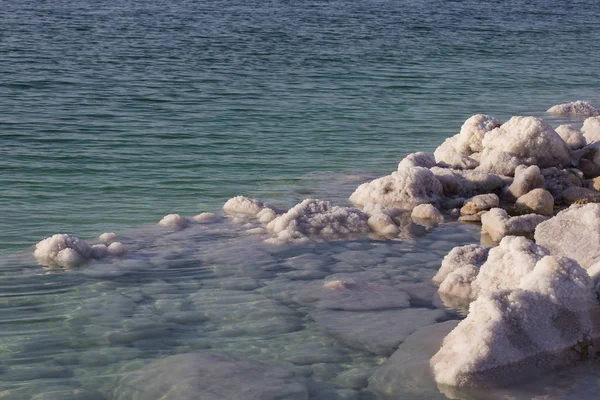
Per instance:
(473,131)
(591,129)
(243,205)
(62,250)
(516,334)
(404,189)
(116,249)
(205,218)
(498,224)
(572,137)
(173,221)
(107,237)
(428,212)
(419,159)
(523,140)
(319,220)
(470,254)
(582,108)
(507,264)
(574,232)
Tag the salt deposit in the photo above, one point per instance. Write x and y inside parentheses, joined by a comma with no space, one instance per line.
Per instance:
(116,249)
(467,183)
(204,218)
(482,202)
(472,132)
(62,250)
(577,108)
(523,140)
(107,237)
(427,212)
(174,222)
(526,179)
(572,137)
(591,129)
(420,159)
(498,224)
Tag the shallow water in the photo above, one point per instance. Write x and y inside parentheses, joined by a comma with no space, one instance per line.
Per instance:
(117,113)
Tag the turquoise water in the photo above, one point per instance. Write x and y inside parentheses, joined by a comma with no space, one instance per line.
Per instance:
(115,113)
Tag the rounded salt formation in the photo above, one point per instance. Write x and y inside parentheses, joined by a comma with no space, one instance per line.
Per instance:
(107,237)
(319,220)
(404,189)
(572,137)
(470,254)
(116,249)
(419,159)
(528,329)
(205,218)
(523,140)
(578,108)
(173,221)
(62,250)
(243,205)
(428,212)
(591,129)
(482,202)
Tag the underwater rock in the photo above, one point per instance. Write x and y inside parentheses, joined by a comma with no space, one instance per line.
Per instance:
(174,222)
(319,220)
(523,140)
(576,108)
(537,201)
(498,224)
(574,233)
(572,137)
(404,189)
(62,250)
(548,321)
(209,377)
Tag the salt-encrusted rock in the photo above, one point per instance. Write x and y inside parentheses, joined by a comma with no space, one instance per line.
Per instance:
(461,151)
(419,159)
(507,264)
(266,215)
(550,320)
(572,137)
(574,233)
(526,179)
(473,131)
(458,283)
(591,129)
(116,249)
(537,201)
(574,194)
(557,180)
(243,205)
(209,377)
(404,189)
(319,220)
(467,183)
(470,254)
(205,218)
(498,224)
(407,374)
(428,212)
(62,250)
(107,237)
(577,108)
(447,153)
(523,140)
(173,221)
(479,203)
(472,218)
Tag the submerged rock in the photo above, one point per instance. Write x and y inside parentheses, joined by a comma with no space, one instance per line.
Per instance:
(523,140)
(574,233)
(210,377)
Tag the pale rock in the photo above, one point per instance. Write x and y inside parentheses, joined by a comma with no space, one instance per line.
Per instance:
(523,140)
(205,218)
(419,159)
(428,212)
(404,189)
(107,237)
(116,249)
(447,153)
(574,233)
(479,203)
(574,193)
(174,222)
(575,108)
(537,201)
(526,179)
(498,224)
(591,129)
(572,137)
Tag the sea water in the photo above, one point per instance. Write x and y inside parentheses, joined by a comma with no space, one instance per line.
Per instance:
(113,114)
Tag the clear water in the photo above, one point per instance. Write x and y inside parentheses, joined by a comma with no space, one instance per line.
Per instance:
(114,114)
